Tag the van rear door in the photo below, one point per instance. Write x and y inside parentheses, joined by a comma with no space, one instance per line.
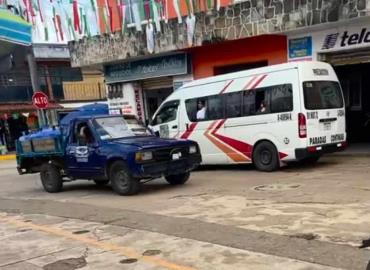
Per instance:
(323,101)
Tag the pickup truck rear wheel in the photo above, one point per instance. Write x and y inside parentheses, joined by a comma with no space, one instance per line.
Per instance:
(121,179)
(178,179)
(51,178)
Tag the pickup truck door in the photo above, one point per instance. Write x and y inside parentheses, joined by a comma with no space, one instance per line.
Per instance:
(83,157)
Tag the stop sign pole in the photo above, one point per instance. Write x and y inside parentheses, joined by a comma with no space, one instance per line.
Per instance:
(32,66)
(41,101)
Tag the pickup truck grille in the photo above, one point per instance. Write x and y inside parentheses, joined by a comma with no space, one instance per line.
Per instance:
(166,153)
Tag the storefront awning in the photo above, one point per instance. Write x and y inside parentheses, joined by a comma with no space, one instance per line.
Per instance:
(13,29)
(24,107)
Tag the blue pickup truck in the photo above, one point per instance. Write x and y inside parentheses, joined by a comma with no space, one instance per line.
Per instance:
(105,148)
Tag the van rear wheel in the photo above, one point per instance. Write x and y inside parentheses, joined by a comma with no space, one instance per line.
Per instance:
(265,157)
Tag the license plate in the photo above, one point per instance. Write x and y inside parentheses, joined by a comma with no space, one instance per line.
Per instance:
(176,156)
(327,126)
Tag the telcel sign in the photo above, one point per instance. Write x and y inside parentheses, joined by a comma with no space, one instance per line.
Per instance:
(359,37)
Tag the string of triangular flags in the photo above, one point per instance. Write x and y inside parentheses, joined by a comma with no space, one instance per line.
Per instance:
(64,20)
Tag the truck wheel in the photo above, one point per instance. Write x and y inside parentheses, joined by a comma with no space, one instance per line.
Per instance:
(178,179)
(101,183)
(51,178)
(265,157)
(122,181)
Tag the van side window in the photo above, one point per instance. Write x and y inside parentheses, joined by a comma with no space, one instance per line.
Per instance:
(281,98)
(233,103)
(205,108)
(214,108)
(191,109)
(249,102)
(166,114)
(264,100)
(272,99)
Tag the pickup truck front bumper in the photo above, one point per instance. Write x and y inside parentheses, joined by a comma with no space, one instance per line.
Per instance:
(172,167)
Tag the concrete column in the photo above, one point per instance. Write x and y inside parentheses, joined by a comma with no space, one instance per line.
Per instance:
(32,66)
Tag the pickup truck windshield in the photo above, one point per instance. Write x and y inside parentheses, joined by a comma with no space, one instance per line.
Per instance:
(117,127)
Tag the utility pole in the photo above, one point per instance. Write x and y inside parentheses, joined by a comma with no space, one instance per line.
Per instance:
(35,82)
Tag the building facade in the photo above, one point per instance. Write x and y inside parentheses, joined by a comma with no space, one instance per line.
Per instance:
(66,87)
(225,36)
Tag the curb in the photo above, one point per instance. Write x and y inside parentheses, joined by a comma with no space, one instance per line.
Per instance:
(7,157)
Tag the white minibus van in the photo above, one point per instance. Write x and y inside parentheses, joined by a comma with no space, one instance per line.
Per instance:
(268,116)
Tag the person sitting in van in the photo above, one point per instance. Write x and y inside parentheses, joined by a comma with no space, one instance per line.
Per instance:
(262,108)
(201,114)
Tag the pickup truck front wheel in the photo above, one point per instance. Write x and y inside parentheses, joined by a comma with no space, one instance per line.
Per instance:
(178,179)
(51,178)
(121,179)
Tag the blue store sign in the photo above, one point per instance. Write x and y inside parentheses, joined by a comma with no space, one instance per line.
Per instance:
(300,47)
(169,65)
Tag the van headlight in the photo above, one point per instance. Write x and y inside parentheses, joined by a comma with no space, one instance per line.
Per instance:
(144,156)
(193,149)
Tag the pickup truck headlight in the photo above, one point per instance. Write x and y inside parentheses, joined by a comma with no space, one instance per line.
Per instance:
(193,149)
(144,156)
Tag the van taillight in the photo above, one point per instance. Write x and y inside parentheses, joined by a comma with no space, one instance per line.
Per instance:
(302,127)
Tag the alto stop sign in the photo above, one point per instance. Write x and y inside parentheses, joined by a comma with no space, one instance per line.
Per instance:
(40,100)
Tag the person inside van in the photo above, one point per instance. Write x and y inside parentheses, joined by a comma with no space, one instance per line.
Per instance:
(201,114)
(262,108)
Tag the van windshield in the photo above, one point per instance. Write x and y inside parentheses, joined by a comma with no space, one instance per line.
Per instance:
(118,127)
(320,95)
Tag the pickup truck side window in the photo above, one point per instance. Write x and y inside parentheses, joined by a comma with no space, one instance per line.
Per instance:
(83,135)
(167,113)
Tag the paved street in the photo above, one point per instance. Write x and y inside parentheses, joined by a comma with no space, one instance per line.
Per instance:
(223,218)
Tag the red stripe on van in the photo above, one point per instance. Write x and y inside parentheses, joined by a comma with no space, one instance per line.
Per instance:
(259,81)
(188,132)
(225,88)
(250,83)
(241,147)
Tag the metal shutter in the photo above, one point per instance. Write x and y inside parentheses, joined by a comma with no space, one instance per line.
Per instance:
(157,83)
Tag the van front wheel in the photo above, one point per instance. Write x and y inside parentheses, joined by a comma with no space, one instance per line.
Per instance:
(265,157)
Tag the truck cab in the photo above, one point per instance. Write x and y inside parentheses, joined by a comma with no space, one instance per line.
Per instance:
(106,148)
